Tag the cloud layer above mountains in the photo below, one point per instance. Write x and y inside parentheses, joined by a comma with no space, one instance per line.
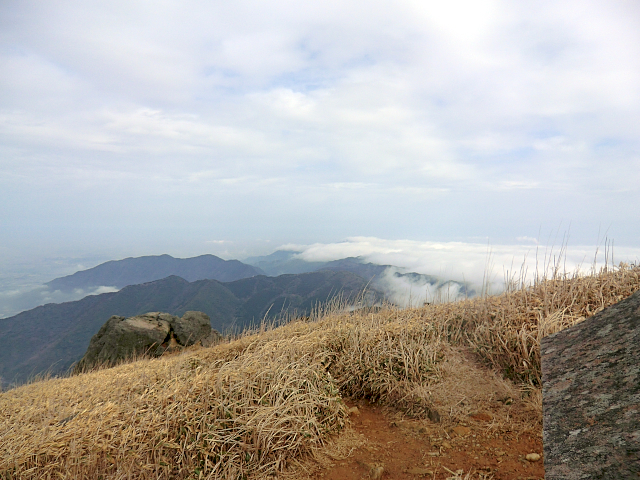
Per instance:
(476,263)
(130,128)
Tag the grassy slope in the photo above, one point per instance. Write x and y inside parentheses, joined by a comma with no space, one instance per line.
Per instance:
(248,408)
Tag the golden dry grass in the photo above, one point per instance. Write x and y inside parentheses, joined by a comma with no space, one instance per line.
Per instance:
(254,406)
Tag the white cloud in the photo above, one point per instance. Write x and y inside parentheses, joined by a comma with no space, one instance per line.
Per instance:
(312,122)
(467,262)
(18,300)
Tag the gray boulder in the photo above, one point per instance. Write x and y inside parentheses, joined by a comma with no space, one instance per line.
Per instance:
(150,334)
(192,327)
(591,396)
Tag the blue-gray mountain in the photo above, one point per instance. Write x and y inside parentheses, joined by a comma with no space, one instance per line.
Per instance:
(133,271)
(52,337)
(281,262)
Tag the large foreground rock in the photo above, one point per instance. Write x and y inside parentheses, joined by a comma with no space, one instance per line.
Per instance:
(150,334)
(591,396)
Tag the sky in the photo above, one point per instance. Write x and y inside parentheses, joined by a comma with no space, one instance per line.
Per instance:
(233,128)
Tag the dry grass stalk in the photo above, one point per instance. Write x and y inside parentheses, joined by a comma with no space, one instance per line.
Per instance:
(507,329)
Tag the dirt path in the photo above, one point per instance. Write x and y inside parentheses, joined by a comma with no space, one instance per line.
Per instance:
(395,448)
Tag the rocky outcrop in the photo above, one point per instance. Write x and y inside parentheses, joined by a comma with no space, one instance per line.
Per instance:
(591,396)
(150,334)
(191,328)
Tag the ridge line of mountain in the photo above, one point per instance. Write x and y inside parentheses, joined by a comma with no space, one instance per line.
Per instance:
(137,270)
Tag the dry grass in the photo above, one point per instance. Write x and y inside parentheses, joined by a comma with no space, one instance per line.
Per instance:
(506,330)
(252,407)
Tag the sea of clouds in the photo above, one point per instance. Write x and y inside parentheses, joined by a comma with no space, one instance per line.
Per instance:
(482,267)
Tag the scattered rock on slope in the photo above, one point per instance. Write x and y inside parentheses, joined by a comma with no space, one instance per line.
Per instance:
(150,334)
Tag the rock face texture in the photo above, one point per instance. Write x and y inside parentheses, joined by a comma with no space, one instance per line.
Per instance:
(149,334)
(591,396)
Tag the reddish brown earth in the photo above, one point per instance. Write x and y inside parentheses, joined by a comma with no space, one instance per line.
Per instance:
(388,446)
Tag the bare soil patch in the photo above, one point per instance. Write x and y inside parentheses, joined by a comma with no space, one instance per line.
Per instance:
(389,446)
(485,430)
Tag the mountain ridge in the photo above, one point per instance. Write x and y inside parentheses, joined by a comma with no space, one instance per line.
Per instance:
(138,270)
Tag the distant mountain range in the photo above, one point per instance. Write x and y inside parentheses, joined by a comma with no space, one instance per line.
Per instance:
(281,262)
(54,336)
(133,271)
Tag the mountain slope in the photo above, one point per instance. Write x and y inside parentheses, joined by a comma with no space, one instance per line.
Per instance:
(294,295)
(133,271)
(283,262)
(56,335)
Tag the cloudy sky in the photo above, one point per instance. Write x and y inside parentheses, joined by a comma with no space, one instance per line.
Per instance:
(190,127)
